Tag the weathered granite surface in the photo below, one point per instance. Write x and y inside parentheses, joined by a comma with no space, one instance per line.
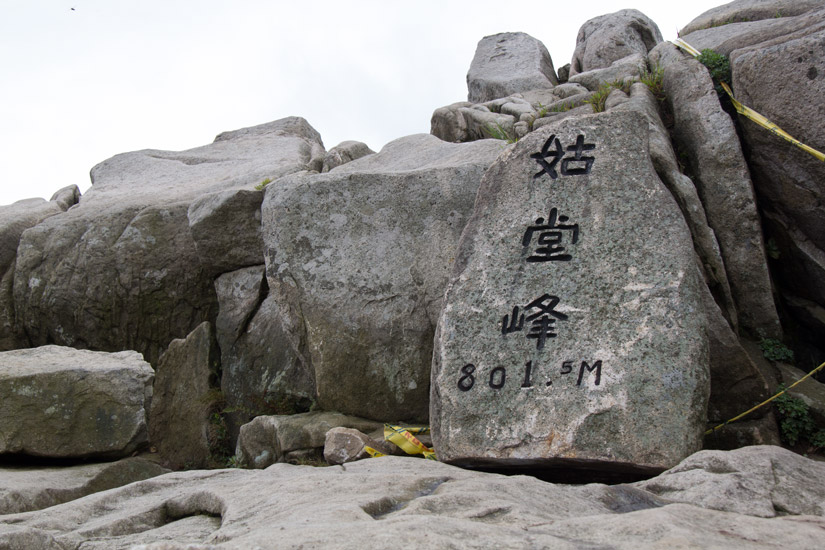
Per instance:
(573,330)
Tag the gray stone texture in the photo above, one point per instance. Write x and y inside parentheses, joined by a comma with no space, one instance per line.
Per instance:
(62,402)
(759,481)
(27,488)
(181,403)
(66,197)
(14,219)
(342,445)
(261,372)
(629,297)
(608,38)
(226,229)
(120,270)
(357,262)
(736,383)
(625,69)
(345,152)
(269,439)
(741,11)
(784,80)
(406,502)
(509,63)
(706,135)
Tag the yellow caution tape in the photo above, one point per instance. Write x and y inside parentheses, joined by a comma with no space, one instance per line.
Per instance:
(753,115)
(372,452)
(407,442)
(734,419)
(765,123)
(687,47)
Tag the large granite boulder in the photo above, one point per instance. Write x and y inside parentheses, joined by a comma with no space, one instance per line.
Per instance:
(726,39)
(509,63)
(573,330)
(706,135)
(62,402)
(745,11)
(182,401)
(609,38)
(357,261)
(27,488)
(14,219)
(399,502)
(121,269)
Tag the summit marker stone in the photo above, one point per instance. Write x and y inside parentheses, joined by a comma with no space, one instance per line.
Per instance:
(573,331)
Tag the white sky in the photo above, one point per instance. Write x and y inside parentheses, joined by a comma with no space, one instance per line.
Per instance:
(119,75)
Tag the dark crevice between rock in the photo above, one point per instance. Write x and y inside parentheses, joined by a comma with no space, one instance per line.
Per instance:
(383,507)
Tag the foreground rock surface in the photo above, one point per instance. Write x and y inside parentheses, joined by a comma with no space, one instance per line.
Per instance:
(573,330)
(28,488)
(392,501)
(62,402)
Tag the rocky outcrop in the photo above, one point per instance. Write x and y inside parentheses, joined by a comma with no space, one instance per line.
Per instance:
(357,260)
(732,505)
(775,70)
(509,63)
(121,270)
(61,402)
(271,439)
(706,135)
(529,357)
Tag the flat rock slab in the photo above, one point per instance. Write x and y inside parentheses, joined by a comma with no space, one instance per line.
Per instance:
(573,331)
(24,489)
(396,502)
(62,402)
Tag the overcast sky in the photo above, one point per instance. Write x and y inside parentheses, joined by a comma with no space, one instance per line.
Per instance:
(109,76)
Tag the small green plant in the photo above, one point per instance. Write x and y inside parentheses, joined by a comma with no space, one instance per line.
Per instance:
(263,184)
(718,65)
(653,78)
(234,462)
(599,98)
(542,111)
(772,249)
(562,107)
(796,423)
(774,350)
(497,131)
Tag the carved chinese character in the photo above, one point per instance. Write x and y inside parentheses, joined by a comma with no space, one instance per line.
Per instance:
(542,322)
(556,155)
(550,238)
